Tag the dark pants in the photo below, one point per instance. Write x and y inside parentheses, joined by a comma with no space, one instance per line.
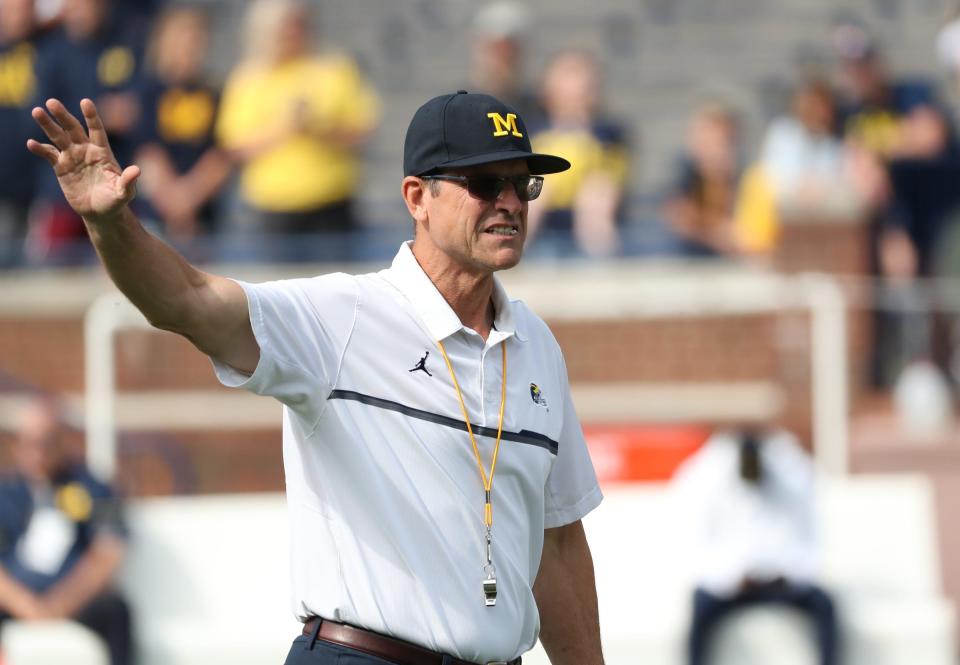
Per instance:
(107,615)
(709,611)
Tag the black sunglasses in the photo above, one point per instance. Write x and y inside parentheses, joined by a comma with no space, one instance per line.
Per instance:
(489,187)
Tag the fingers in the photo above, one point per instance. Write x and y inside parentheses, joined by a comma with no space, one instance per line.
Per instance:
(128,181)
(44,150)
(129,176)
(53,131)
(70,124)
(98,135)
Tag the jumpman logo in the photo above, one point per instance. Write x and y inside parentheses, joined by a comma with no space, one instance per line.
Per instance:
(422,365)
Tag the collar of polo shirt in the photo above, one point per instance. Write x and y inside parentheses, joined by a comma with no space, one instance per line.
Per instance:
(441,321)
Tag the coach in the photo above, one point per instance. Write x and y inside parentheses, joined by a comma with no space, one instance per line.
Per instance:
(436,471)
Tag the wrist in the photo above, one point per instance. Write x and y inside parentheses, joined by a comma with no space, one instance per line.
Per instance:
(26,606)
(109,219)
(51,607)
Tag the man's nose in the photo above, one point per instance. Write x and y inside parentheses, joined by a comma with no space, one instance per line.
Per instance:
(508,200)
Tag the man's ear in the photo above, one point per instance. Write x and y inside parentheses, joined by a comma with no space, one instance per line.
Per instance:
(414,192)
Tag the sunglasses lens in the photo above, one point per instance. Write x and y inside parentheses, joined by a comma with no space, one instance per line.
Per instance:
(489,188)
(486,188)
(530,189)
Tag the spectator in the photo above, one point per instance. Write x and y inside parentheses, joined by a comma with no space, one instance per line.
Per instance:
(496,57)
(907,151)
(895,119)
(295,121)
(182,169)
(17,88)
(900,125)
(803,172)
(699,209)
(750,497)
(92,55)
(62,539)
(582,204)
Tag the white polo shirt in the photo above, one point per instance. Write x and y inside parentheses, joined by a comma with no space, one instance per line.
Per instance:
(385,498)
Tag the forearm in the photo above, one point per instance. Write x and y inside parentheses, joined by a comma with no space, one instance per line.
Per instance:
(208,175)
(16,599)
(155,278)
(566,597)
(209,311)
(595,215)
(89,578)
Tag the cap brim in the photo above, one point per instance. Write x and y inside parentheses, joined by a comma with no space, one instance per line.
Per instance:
(538,163)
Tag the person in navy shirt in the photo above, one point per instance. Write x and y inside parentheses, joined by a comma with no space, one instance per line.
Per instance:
(183,170)
(909,158)
(93,54)
(18,84)
(62,536)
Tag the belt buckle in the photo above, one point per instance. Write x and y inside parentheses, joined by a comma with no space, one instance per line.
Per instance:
(497,662)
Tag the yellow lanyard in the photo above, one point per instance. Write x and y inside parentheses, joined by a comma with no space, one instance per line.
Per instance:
(487,480)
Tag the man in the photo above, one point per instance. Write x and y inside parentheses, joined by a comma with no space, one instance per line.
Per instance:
(750,501)
(416,536)
(907,155)
(61,537)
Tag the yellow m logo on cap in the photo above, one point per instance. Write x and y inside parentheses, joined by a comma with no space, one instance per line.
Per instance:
(503,126)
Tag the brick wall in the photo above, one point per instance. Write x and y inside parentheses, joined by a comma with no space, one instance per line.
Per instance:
(741,348)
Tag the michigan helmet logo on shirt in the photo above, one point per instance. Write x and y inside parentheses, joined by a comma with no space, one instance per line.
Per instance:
(537,396)
(503,126)
(115,66)
(17,78)
(185,116)
(75,502)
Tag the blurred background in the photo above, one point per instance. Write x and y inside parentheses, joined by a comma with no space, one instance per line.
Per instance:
(760,238)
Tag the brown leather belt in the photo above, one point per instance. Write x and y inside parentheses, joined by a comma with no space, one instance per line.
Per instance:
(381,646)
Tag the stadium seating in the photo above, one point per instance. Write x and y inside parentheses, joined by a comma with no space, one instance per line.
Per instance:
(208,579)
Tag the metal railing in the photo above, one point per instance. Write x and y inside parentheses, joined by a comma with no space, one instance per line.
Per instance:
(573,296)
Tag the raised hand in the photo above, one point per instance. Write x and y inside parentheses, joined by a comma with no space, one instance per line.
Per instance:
(89,175)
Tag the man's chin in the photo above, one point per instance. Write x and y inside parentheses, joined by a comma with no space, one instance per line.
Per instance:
(505,259)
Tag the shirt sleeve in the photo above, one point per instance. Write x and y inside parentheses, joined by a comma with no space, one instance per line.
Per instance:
(107,514)
(302,327)
(572,489)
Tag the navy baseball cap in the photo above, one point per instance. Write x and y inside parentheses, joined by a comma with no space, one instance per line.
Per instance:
(469,129)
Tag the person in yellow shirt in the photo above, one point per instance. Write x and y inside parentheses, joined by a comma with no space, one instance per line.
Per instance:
(699,210)
(295,120)
(581,205)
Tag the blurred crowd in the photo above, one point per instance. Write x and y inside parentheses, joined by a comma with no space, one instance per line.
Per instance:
(268,165)
(276,151)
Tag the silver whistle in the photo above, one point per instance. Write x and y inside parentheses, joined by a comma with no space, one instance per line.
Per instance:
(490,581)
(490,586)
